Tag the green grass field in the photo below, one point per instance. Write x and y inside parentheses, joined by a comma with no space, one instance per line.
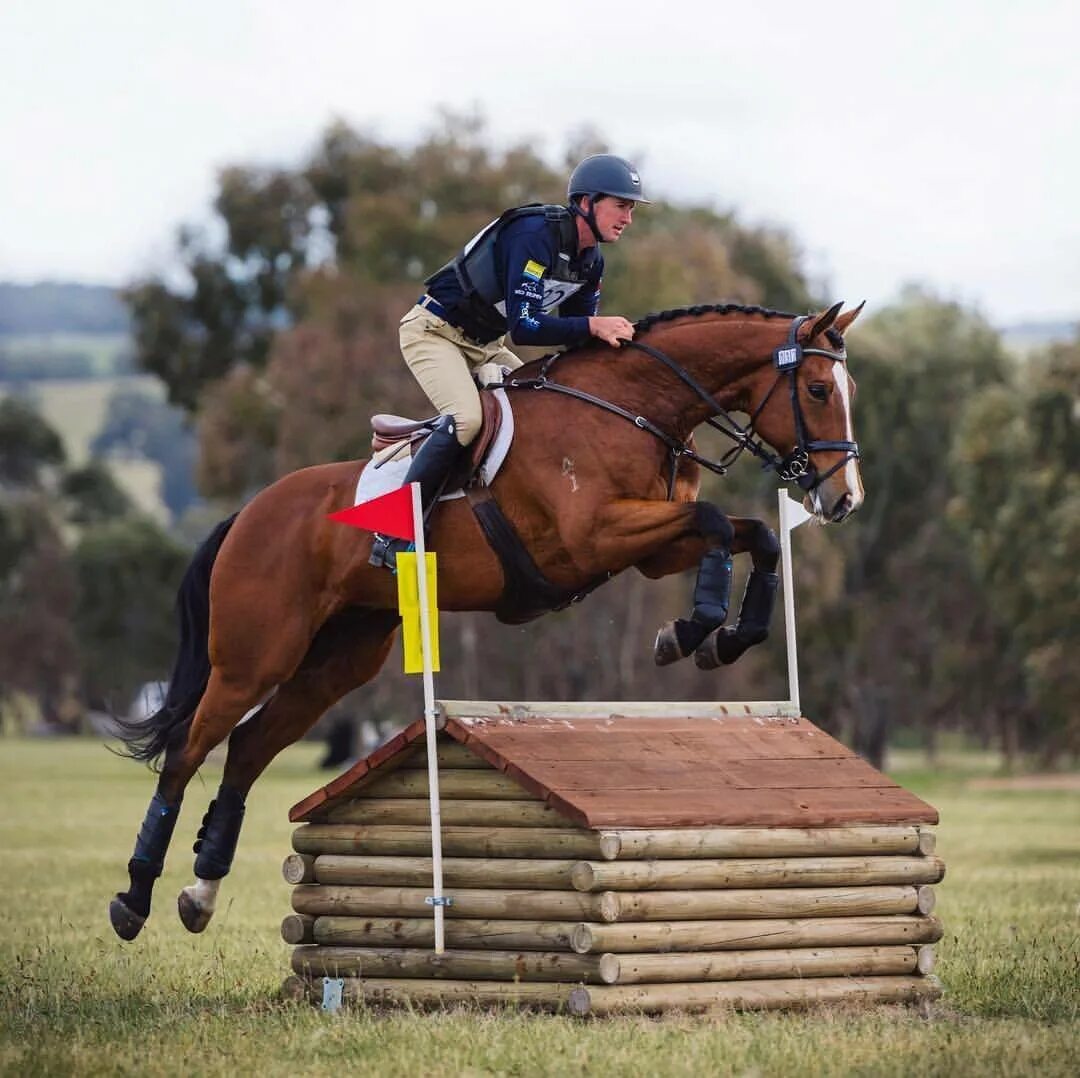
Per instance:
(75,1000)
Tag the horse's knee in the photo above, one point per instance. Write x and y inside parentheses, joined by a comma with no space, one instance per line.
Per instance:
(468,419)
(763,545)
(714,525)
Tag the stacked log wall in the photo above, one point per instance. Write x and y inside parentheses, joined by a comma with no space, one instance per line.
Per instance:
(594,921)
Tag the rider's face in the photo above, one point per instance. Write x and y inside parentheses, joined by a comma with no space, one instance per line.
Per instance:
(612,216)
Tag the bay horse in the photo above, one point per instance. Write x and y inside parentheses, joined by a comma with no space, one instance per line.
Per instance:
(281,614)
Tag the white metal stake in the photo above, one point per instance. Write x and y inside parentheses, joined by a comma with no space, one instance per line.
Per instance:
(437,900)
(792,514)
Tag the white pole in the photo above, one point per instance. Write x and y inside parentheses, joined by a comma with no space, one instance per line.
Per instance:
(429,719)
(789,600)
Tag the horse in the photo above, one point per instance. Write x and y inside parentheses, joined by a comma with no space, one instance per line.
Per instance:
(281,614)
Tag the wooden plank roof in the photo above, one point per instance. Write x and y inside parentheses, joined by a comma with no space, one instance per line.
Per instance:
(625,772)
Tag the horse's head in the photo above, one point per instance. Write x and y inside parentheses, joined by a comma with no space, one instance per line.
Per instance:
(804,412)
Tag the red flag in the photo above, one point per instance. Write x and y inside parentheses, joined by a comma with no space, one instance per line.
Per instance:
(389,514)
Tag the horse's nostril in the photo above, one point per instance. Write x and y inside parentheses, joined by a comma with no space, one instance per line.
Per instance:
(842,508)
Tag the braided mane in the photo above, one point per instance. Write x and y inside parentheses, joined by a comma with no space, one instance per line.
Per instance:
(695,311)
(651,320)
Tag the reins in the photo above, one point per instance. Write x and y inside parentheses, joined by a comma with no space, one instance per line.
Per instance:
(794,467)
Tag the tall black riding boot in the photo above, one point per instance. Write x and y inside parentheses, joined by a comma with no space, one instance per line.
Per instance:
(430,468)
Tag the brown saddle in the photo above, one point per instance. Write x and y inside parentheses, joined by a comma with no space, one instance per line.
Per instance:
(407,434)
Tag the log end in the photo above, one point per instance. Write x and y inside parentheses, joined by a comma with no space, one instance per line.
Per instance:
(609,907)
(299,868)
(579,1002)
(925,960)
(610,845)
(582,876)
(581,939)
(935,930)
(927,843)
(925,899)
(298,928)
(610,969)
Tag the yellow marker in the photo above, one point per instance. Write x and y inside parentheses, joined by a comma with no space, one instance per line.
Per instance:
(409,606)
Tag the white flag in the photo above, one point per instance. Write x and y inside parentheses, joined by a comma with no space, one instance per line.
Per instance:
(792,513)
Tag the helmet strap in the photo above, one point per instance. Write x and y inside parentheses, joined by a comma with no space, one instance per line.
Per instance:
(590,217)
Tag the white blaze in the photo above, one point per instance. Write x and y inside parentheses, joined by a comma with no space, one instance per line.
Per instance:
(851,475)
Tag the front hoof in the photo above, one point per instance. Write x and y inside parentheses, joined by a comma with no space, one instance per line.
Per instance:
(666,648)
(194,917)
(721,648)
(127,924)
(706,658)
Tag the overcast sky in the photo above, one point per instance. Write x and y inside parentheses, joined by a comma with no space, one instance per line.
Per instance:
(930,140)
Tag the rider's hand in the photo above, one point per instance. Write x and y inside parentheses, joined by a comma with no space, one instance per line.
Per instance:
(611,328)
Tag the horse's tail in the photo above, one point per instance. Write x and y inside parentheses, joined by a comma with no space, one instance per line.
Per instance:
(147,739)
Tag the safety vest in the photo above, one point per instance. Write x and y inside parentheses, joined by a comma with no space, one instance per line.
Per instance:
(474,265)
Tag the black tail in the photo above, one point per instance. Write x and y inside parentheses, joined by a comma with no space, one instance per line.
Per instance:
(147,739)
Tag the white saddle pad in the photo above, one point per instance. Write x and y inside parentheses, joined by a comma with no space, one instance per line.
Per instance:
(386,472)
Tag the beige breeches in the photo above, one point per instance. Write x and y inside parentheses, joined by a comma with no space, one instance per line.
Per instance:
(443,360)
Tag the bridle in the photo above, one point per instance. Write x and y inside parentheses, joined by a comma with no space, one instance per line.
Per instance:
(792,467)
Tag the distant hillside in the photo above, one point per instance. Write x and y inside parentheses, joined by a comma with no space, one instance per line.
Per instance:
(55,307)
(1026,336)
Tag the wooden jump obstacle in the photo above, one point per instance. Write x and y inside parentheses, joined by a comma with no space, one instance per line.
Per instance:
(610,857)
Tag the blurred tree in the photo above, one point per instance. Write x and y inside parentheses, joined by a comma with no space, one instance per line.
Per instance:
(1017,463)
(105,612)
(28,445)
(93,495)
(891,647)
(38,655)
(142,424)
(237,293)
(127,572)
(237,429)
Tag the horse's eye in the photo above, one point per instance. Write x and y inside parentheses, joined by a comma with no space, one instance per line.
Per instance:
(819,391)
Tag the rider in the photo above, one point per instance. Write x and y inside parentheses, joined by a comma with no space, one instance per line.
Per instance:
(533,273)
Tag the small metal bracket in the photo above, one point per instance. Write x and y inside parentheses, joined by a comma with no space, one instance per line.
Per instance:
(331,994)
(443,900)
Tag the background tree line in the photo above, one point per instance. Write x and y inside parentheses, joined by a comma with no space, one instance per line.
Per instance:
(948,603)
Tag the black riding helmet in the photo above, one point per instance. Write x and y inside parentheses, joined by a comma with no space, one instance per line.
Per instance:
(603,174)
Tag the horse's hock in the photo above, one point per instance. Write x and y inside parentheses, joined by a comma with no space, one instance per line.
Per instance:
(671,857)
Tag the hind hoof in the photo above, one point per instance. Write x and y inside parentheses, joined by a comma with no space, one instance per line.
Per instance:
(192,915)
(706,657)
(666,649)
(127,924)
(720,648)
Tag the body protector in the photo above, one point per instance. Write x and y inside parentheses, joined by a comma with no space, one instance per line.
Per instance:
(481,310)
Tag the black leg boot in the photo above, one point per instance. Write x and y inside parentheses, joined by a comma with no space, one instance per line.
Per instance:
(430,468)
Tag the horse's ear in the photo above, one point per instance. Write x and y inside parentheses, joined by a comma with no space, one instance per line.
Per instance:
(843,321)
(823,321)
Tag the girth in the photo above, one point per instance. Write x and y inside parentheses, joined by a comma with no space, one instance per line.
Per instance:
(527,593)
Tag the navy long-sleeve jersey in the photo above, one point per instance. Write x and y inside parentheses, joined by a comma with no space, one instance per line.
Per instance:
(538,308)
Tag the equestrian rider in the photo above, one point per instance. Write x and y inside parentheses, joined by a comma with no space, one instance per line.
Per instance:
(534,273)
